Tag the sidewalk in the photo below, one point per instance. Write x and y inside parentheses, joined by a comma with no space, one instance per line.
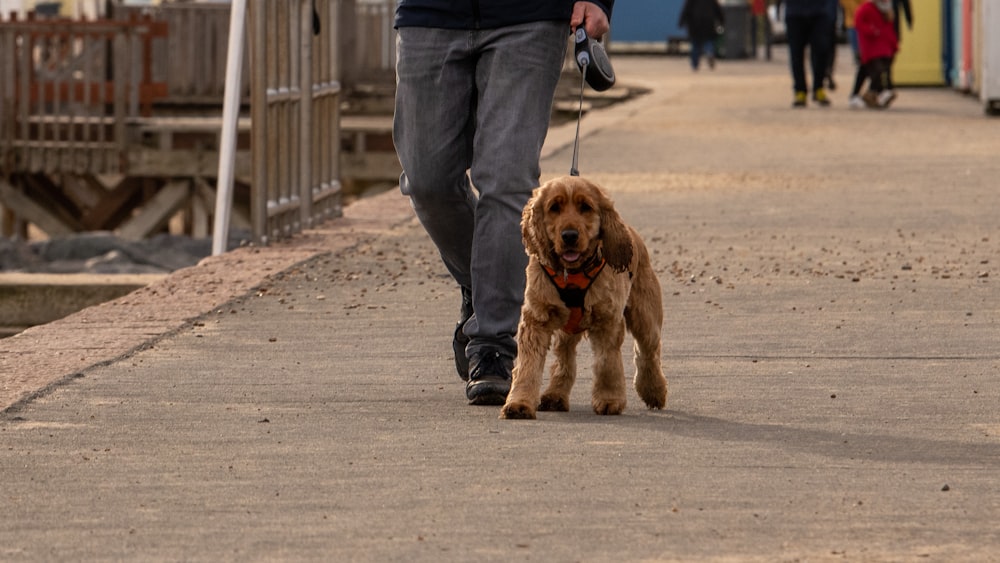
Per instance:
(832,319)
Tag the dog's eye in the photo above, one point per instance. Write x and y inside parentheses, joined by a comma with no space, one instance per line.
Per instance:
(585,207)
(554,208)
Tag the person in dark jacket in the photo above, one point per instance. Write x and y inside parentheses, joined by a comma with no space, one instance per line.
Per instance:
(475,81)
(703,20)
(907,11)
(808,23)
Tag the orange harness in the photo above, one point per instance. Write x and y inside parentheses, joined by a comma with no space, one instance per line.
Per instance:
(572,288)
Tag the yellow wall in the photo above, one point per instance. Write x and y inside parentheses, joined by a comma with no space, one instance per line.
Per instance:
(919,59)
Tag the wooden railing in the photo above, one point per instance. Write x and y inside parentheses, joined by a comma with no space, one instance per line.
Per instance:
(125,112)
(68,88)
(192,59)
(370,56)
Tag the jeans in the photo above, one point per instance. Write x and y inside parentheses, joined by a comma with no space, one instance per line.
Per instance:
(701,47)
(814,32)
(472,111)
(880,72)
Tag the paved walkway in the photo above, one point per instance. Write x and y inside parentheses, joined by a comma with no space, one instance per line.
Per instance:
(831,294)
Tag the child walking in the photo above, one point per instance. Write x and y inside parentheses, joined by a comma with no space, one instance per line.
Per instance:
(878,44)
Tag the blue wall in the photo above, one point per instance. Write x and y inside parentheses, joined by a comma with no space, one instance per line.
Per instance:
(646,20)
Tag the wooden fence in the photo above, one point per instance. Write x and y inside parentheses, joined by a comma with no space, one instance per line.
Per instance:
(115,124)
(192,59)
(68,91)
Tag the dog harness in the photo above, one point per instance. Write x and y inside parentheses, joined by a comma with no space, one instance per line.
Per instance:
(572,288)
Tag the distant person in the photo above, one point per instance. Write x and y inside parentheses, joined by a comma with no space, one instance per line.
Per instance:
(907,10)
(808,24)
(831,59)
(703,20)
(878,44)
(759,26)
(850,7)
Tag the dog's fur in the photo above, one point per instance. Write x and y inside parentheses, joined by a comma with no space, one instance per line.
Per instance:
(567,221)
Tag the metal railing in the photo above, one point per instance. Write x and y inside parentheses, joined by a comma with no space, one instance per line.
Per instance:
(295,92)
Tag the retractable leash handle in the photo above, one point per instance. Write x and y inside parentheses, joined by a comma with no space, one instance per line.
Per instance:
(595,69)
(593,62)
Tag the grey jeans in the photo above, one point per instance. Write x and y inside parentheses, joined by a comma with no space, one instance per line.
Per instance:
(472,110)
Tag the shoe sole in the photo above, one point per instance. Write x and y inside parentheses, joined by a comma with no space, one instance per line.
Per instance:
(489,400)
(487,393)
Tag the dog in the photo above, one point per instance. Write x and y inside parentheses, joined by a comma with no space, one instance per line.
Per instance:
(588,274)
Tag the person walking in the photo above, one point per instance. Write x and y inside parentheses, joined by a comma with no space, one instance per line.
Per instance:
(703,20)
(475,82)
(831,59)
(808,24)
(878,44)
(906,9)
(850,7)
(759,28)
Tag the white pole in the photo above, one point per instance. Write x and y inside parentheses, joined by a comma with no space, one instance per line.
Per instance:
(230,122)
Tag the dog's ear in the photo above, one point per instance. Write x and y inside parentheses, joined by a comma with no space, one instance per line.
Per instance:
(617,241)
(533,227)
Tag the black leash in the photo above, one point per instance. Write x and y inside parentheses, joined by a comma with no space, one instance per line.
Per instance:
(573,171)
(595,69)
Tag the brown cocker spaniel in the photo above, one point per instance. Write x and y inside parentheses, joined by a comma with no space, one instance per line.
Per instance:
(588,274)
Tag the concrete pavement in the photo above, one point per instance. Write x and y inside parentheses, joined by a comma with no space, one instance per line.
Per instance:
(831,297)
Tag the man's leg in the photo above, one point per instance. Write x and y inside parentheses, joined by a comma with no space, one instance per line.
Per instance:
(695,54)
(516,77)
(432,130)
(820,39)
(796,35)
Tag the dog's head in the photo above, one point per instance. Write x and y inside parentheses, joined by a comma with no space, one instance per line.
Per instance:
(568,220)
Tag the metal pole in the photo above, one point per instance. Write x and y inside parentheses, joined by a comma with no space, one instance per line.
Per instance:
(230,122)
(306,125)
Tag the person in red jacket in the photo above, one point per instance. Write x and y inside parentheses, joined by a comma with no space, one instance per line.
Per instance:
(878,44)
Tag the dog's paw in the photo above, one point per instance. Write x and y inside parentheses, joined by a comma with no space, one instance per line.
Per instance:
(657,402)
(554,403)
(652,391)
(655,399)
(517,411)
(608,406)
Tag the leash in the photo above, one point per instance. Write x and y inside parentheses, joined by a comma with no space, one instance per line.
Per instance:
(573,170)
(595,69)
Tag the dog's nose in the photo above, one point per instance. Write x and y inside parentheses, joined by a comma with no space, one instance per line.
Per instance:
(570,236)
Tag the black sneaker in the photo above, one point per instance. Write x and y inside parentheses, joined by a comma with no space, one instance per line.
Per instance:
(460,341)
(489,379)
